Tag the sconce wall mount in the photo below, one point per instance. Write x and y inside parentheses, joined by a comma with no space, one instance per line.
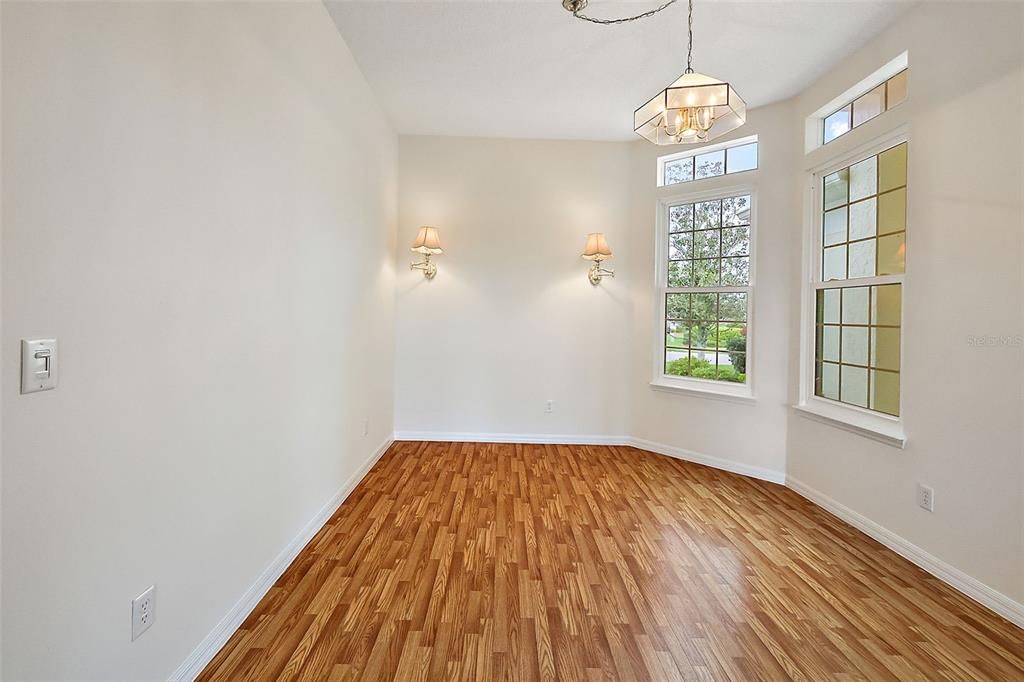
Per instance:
(428,243)
(597,250)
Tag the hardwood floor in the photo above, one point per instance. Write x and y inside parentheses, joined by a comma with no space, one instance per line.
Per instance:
(496,561)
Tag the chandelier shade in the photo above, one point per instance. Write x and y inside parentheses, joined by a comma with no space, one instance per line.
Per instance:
(694,109)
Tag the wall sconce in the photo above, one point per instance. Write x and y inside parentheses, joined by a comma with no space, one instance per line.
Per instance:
(428,242)
(597,250)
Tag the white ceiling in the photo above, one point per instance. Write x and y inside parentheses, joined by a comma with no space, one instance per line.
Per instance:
(529,69)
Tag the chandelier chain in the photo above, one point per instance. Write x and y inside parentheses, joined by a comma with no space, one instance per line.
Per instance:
(608,22)
(689,32)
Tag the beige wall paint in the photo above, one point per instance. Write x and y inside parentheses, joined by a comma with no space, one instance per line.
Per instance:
(199,203)
(963,405)
(511,320)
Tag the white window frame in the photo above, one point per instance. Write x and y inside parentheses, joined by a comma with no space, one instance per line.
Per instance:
(719,187)
(882,427)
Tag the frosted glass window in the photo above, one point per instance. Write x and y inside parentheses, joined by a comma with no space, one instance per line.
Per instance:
(863,218)
(858,334)
(879,183)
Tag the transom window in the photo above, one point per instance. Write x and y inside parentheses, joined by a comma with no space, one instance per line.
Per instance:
(705,288)
(736,156)
(863,223)
(879,99)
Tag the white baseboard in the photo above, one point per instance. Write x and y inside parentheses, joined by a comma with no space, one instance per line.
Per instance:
(213,642)
(576,439)
(770,475)
(983,594)
(552,438)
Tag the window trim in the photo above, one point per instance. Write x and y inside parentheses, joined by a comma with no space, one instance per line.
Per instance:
(707,388)
(879,426)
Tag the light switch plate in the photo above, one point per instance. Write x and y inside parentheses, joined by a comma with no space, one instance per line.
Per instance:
(38,365)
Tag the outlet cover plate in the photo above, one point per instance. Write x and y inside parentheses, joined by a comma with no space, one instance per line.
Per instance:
(143,612)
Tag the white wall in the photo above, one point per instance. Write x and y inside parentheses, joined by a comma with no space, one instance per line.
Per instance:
(511,321)
(199,204)
(963,405)
(750,436)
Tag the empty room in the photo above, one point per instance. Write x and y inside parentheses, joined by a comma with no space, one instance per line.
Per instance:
(511,340)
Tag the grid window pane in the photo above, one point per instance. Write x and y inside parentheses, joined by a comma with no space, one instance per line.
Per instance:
(680,218)
(885,392)
(680,273)
(830,381)
(892,251)
(837,189)
(736,241)
(855,304)
(892,168)
(706,272)
(853,220)
(735,271)
(892,211)
(834,264)
(732,307)
(706,331)
(863,218)
(858,360)
(854,346)
(864,178)
(677,306)
(736,211)
(835,226)
(708,215)
(885,348)
(853,385)
(680,246)
(862,259)
(887,305)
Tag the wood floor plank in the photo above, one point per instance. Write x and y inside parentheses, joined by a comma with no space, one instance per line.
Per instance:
(560,562)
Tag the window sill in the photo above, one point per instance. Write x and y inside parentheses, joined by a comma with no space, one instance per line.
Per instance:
(875,427)
(736,393)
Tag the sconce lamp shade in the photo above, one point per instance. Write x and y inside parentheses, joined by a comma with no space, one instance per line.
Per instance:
(597,247)
(428,242)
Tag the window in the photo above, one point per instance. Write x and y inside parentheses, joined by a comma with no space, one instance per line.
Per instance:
(859,288)
(724,159)
(881,98)
(705,289)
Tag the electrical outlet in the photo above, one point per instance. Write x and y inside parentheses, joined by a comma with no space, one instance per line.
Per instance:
(549,406)
(143,612)
(925,497)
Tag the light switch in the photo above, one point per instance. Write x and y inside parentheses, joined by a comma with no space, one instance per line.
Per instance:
(38,365)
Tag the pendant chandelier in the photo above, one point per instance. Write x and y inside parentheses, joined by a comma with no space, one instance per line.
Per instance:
(692,110)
